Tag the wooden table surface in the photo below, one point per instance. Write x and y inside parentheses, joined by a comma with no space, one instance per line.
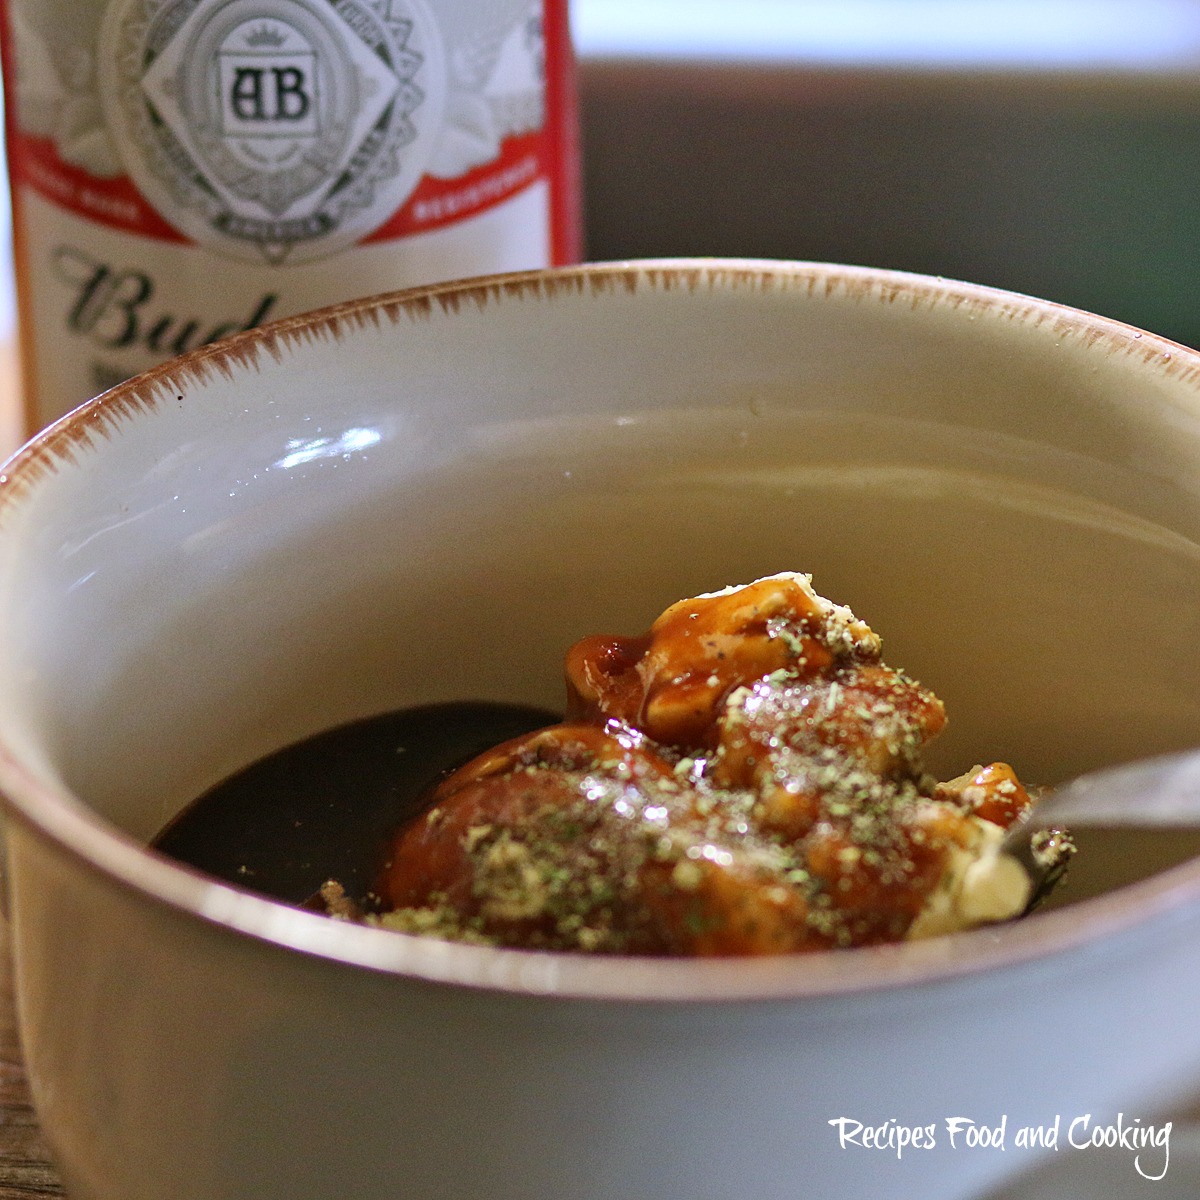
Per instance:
(25,1170)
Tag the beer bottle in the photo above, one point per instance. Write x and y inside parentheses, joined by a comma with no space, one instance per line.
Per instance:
(184,169)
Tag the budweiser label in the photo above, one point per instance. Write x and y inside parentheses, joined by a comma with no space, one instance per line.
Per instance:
(184,169)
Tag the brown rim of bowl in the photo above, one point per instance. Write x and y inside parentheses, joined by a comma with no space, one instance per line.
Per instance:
(60,820)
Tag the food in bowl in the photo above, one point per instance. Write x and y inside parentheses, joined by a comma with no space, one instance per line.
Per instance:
(744,779)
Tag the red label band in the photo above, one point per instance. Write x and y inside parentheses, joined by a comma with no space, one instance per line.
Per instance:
(549,154)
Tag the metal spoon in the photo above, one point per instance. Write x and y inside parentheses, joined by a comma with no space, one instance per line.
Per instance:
(1152,793)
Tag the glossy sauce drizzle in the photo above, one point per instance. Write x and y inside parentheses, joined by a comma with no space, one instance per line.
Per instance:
(744,779)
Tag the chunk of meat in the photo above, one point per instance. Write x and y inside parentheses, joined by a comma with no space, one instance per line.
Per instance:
(745,778)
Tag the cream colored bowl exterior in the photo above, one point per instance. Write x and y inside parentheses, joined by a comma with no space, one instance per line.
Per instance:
(425,496)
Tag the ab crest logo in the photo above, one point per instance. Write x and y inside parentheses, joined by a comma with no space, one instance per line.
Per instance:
(275,131)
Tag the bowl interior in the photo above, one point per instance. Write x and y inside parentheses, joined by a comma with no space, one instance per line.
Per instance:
(430,497)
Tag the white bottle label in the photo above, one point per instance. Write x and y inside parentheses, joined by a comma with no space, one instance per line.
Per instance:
(273,132)
(183,169)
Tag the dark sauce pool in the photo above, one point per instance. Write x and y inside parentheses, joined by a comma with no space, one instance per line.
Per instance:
(326,807)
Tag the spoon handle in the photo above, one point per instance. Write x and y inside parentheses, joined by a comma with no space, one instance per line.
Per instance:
(1153,793)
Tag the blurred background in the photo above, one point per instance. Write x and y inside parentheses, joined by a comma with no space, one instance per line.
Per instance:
(1048,146)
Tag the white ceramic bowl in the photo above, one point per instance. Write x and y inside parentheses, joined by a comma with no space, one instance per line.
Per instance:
(429,496)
